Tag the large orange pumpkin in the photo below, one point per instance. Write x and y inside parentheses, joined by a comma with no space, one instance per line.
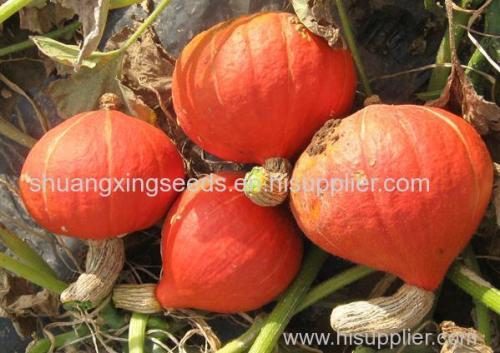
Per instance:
(416,231)
(74,180)
(223,253)
(259,86)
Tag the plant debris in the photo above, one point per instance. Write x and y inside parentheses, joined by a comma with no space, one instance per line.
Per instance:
(316,15)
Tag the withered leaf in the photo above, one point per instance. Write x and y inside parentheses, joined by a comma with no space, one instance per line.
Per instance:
(40,16)
(460,96)
(462,340)
(147,67)
(316,15)
(80,92)
(20,302)
(93,15)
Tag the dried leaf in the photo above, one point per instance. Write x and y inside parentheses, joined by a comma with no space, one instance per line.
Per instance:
(65,54)
(81,91)
(20,302)
(93,15)
(459,94)
(316,15)
(462,340)
(147,67)
(42,17)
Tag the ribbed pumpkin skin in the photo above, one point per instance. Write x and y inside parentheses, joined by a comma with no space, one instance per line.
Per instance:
(99,144)
(222,253)
(414,235)
(259,87)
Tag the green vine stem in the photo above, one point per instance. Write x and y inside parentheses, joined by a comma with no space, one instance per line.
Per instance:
(13,133)
(440,74)
(482,313)
(33,275)
(137,332)
(61,32)
(24,252)
(116,4)
(10,7)
(45,345)
(351,42)
(289,302)
(320,291)
(331,285)
(149,21)
(475,286)
(478,60)
(244,342)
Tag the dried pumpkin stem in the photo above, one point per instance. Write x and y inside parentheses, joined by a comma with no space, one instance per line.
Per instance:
(267,185)
(139,298)
(384,315)
(475,286)
(105,260)
(110,101)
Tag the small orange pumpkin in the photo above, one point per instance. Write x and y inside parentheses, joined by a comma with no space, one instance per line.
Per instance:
(346,197)
(259,87)
(68,174)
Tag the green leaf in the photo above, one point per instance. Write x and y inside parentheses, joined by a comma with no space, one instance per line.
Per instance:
(65,54)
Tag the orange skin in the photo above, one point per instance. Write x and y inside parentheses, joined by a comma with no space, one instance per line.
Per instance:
(414,235)
(259,86)
(222,253)
(99,144)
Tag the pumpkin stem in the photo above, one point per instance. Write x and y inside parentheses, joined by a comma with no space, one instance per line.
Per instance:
(139,298)
(267,185)
(110,101)
(385,315)
(105,260)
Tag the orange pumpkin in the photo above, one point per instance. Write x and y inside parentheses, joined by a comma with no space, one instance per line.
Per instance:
(259,86)
(74,180)
(223,253)
(416,231)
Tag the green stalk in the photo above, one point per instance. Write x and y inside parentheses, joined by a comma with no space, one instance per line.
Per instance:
(24,252)
(151,18)
(351,42)
(137,332)
(10,7)
(482,313)
(317,293)
(29,43)
(33,275)
(244,342)
(44,345)
(478,60)
(289,302)
(331,285)
(440,74)
(116,4)
(475,286)
(13,133)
